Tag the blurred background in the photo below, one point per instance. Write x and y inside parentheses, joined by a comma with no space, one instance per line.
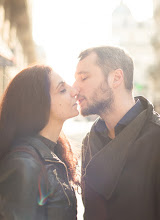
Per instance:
(55,31)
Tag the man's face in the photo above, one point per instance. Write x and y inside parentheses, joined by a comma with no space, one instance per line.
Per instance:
(95,96)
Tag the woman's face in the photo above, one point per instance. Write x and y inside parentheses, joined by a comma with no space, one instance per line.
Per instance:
(63,100)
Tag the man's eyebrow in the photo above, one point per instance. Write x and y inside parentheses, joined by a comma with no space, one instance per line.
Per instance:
(82,72)
(60,83)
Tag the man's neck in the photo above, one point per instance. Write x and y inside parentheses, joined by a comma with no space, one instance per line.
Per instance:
(118,110)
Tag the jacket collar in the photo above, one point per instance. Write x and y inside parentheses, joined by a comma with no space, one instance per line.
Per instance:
(43,150)
(101,128)
(110,159)
(131,114)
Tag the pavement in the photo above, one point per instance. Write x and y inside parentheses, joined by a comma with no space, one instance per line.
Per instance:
(75,131)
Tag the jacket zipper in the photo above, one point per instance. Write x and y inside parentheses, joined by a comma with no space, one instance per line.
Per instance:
(59,180)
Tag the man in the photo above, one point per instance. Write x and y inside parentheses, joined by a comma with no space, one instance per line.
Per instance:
(121,153)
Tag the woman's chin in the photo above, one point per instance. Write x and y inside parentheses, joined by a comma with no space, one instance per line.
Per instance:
(75,114)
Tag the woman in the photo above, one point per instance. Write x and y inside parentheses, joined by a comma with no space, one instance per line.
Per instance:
(37,166)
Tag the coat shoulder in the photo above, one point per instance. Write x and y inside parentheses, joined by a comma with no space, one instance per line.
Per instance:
(156,118)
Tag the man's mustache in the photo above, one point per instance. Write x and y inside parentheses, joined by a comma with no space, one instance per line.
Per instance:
(80,97)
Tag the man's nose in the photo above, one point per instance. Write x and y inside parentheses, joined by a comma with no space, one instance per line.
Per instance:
(74,91)
(76,86)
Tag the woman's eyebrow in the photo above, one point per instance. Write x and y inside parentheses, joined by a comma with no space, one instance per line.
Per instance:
(59,84)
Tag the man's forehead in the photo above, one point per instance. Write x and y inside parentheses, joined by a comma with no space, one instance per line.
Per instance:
(84,65)
(86,62)
(82,68)
(91,57)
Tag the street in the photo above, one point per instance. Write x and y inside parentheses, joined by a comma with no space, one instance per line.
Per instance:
(75,132)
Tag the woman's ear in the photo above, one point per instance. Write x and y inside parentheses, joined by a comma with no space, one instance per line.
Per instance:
(117,78)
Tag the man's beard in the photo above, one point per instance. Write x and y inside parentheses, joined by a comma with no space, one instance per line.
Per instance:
(98,106)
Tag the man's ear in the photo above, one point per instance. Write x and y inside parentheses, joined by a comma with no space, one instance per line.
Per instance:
(116,78)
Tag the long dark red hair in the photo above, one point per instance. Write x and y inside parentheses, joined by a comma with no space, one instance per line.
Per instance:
(25,109)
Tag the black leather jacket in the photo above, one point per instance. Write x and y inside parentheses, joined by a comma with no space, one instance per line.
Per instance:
(34,184)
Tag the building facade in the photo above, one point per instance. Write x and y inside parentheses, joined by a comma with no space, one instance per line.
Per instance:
(135,37)
(17,49)
(155,68)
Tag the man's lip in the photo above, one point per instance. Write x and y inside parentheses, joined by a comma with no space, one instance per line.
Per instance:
(80,100)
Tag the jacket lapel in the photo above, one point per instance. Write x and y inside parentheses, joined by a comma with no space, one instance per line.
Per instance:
(104,170)
(42,149)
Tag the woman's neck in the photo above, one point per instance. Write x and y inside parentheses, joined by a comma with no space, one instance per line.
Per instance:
(52,130)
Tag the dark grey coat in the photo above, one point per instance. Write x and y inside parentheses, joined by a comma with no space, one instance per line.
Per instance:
(123,177)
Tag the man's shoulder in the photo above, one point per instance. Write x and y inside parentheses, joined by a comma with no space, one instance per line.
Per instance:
(155,119)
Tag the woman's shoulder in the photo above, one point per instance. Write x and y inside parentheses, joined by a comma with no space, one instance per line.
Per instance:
(21,158)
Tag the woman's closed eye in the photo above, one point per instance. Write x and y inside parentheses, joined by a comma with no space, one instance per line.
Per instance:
(63,91)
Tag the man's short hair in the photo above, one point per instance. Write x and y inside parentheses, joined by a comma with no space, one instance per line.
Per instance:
(112,58)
